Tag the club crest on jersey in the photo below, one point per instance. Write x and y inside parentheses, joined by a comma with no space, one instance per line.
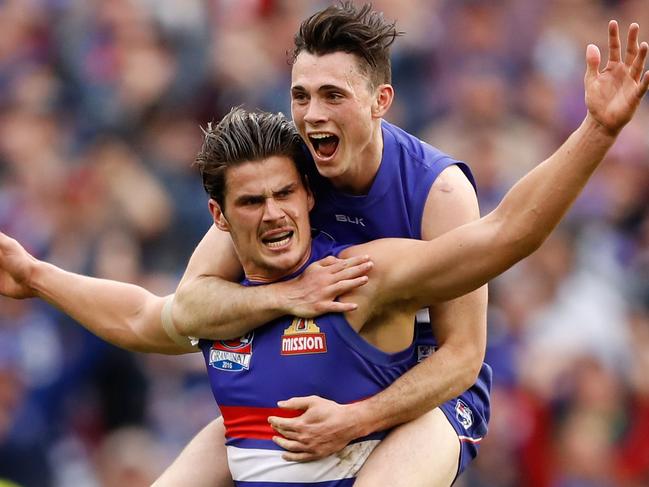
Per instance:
(463,414)
(302,337)
(232,355)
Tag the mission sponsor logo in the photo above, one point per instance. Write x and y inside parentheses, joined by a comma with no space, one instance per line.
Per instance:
(302,337)
(232,355)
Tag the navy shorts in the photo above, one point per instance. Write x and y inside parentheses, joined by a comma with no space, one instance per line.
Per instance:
(467,413)
(469,416)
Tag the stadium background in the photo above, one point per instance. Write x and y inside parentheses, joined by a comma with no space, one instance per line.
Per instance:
(101,103)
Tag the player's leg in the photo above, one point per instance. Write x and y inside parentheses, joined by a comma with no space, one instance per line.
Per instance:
(203,462)
(424,452)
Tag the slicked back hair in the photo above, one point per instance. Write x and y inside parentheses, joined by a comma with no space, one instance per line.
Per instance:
(347,28)
(243,136)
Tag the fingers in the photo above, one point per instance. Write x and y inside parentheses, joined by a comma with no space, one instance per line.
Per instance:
(290,445)
(613,42)
(355,260)
(593,59)
(632,46)
(351,266)
(355,269)
(4,241)
(347,285)
(328,261)
(300,457)
(338,307)
(644,85)
(340,264)
(294,403)
(289,434)
(638,63)
(280,424)
(295,450)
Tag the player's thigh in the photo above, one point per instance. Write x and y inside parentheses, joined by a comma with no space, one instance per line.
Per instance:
(202,463)
(424,452)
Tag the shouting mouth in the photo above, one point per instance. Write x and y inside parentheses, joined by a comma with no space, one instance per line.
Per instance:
(324,144)
(277,240)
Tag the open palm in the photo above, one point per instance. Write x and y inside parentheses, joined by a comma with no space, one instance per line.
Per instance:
(613,95)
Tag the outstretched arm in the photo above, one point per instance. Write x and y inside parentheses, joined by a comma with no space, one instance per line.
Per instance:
(123,314)
(469,256)
(466,258)
(209,304)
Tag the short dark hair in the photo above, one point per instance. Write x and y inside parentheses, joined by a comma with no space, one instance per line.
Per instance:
(359,31)
(243,136)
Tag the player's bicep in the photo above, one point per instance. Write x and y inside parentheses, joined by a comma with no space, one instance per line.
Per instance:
(214,256)
(451,202)
(444,268)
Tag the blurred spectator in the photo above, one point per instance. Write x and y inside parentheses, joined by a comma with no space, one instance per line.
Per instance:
(102,103)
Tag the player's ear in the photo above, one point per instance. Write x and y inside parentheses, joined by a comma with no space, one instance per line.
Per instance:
(218,216)
(382,100)
(309,193)
(310,199)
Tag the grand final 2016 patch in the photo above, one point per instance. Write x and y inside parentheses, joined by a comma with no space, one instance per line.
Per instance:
(303,337)
(232,355)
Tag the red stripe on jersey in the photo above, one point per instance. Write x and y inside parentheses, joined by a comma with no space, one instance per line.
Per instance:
(250,422)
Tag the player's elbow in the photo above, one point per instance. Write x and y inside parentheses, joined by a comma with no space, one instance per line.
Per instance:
(471,363)
(181,316)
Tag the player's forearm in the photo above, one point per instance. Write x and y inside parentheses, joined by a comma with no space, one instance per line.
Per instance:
(123,314)
(536,204)
(446,374)
(210,307)
(460,329)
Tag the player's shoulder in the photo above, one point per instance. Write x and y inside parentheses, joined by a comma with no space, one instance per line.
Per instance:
(400,141)
(453,178)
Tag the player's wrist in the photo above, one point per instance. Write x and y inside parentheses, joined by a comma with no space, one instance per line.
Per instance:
(594,126)
(282,297)
(363,419)
(38,275)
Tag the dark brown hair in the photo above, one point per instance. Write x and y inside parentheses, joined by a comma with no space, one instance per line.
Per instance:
(359,31)
(243,136)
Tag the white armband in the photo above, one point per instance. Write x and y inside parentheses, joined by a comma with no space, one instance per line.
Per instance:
(170,329)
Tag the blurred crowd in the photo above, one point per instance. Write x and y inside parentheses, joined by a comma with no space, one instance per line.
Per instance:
(101,104)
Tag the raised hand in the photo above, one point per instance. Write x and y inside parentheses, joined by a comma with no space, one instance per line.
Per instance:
(613,94)
(15,269)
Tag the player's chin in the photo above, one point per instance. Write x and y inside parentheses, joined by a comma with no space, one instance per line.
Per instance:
(330,167)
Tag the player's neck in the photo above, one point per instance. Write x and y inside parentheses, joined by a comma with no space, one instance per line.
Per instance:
(358,179)
(262,274)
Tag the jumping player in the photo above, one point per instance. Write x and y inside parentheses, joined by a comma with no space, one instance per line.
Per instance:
(600,103)
(371,180)
(249,164)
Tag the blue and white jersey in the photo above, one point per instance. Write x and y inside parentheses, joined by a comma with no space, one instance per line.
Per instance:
(394,207)
(289,357)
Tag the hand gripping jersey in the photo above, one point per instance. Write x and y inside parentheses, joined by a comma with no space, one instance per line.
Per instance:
(394,207)
(290,357)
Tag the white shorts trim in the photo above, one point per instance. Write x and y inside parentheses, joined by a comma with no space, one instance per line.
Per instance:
(257,465)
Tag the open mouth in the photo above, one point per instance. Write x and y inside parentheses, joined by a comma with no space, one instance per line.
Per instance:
(324,145)
(278,240)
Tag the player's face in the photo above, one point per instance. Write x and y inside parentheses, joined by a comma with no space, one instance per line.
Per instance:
(267,213)
(332,107)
